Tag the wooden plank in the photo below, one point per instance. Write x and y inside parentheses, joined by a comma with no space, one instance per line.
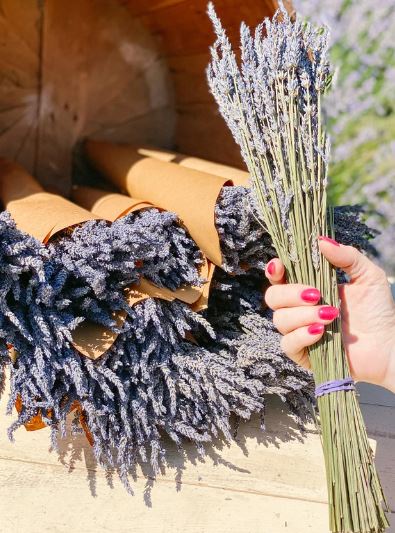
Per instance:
(19,67)
(184,28)
(280,470)
(114,76)
(373,395)
(276,462)
(38,499)
(142,7)
(189,78)
(202,132)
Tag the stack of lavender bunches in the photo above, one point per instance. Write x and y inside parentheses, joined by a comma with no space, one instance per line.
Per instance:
(171,371)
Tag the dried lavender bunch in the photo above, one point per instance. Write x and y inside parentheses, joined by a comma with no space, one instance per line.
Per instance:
(246,244)
(272,104)
(35,317)
(102,259)
(32,305)
(152,383)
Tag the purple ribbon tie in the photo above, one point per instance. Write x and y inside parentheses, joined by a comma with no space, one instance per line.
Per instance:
(336,385)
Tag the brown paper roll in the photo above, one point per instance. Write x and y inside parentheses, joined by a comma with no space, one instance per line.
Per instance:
(239,177)
(113,206)
(35,211)
(202,303)
(189,193)
(108,205)
(42,215)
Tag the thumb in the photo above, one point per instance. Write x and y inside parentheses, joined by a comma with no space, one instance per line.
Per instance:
(356,265)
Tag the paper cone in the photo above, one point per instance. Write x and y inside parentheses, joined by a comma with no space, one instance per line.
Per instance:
(202,303)
(35,211)
(189,193)
(108,205)
(113,206)
(42,215)
(239,177)
(37,422)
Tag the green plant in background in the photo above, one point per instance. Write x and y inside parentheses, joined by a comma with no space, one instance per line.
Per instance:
(360,108)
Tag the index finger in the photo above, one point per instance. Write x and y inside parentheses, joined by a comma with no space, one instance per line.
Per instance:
(275,271)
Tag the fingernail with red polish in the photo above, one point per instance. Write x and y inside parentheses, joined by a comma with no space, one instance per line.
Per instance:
(328,239)
(328,312)
(271,268)
(310,295)
(316,329)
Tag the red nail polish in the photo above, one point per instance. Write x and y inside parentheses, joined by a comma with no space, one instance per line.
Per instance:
(271,268)
(316,329)
(328,312)
(310,295)
(328,239)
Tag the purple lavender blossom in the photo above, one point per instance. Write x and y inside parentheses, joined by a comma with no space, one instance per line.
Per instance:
(152,383)
(102,259)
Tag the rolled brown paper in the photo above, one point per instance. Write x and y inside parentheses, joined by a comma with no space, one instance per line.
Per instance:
(86,339)
(112,206)
(239,177)
(36,212)
(108,205)
(189,193)
(37,422)
(42,215)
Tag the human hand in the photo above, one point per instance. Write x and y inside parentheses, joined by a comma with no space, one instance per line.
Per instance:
(367,314)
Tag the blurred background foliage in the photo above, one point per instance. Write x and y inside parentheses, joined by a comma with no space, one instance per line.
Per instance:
(360,109)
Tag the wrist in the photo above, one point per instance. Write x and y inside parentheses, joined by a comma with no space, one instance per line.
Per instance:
(389,380)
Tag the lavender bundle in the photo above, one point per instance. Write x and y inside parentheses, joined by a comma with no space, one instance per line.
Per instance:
(171,388)
(272,104)
(102,259)
(151,384)
(36,318)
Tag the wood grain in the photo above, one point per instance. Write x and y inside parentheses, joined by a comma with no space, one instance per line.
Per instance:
(184,34)
(272,481)
(73,69)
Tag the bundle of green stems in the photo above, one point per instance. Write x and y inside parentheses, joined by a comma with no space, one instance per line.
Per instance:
(272,104)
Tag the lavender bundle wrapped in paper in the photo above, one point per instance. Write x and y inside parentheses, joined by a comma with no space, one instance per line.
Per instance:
(102,259)
(272,104)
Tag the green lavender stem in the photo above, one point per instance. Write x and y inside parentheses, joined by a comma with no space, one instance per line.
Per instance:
(272,105)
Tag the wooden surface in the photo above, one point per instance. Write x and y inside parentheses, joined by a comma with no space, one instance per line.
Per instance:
(74,69)
(184,34)
(268,482)
(125,70)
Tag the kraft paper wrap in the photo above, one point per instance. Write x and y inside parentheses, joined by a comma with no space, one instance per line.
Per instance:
(239,177)
(37,422)
(36,212)
(112,206)
(42,215)
(108,205)
(189,193)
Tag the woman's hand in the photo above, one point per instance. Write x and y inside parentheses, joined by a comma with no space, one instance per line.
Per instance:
(367,313)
